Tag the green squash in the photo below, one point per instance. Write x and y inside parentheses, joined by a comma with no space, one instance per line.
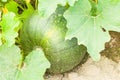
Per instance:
(49,34)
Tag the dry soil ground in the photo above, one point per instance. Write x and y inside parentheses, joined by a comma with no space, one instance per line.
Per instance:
(105,69)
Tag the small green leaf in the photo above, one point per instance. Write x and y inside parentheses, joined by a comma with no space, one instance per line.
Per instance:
(47,7)
(9,59)
(10,26)
(12,6)
(34,66)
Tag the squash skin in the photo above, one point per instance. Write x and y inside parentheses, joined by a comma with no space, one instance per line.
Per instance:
(65,58)
(38,32)
(49,35)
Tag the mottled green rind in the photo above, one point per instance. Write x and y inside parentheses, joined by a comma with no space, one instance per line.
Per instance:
(66,56)
(50,36)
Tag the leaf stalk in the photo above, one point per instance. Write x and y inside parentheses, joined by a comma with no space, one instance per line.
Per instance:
(94,9)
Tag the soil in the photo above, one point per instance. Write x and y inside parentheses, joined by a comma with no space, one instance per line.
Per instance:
(108,68)
(112,48)
(105,69)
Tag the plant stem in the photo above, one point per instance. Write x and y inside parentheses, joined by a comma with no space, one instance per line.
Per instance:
(94,10)
(36,4)
(21,64)
(96,1)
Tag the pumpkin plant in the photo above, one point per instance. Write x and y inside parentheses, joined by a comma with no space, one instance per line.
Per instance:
(53,35)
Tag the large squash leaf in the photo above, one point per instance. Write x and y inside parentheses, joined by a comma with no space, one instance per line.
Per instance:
(92,31)
(33,67)
(47,7)
(9,59)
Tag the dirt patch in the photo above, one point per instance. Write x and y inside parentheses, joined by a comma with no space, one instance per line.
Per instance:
(115,40)
(105,69)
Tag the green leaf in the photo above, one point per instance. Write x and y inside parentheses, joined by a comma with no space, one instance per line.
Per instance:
(111,15)
(0,39)
(9,59)
(92,31)
(27,12)
(0,13)
(34,67)
(4,0)
(10,25)
(47,7)
(12,6)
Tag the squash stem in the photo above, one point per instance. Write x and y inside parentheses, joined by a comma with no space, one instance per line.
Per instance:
(94,9)
(21,64)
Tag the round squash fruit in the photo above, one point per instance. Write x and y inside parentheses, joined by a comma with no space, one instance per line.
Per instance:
(49,34)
